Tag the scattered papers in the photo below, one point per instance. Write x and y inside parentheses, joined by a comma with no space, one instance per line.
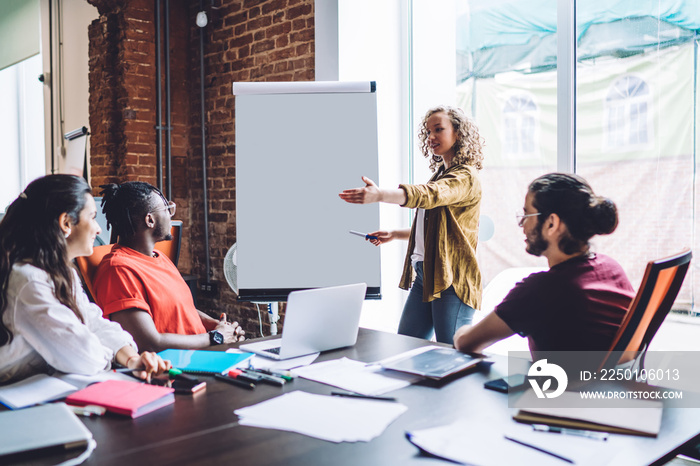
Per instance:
(332,418)
(356,376)
(260,362)
(468,441)
(36,389)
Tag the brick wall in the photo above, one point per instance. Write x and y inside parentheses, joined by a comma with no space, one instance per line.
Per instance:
(245,40)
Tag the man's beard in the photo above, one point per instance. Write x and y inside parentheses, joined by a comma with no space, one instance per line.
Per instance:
(537,244)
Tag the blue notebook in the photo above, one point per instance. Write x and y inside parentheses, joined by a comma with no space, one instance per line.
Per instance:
(202,361)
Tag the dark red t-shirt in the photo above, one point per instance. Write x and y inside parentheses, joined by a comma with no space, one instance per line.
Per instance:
(576,305)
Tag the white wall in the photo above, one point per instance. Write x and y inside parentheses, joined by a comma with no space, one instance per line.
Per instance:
(69,77)
(372,46)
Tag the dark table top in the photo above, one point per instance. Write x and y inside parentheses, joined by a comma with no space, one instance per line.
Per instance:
(202,429)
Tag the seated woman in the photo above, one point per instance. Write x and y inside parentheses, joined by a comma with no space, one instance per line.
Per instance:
(47,323)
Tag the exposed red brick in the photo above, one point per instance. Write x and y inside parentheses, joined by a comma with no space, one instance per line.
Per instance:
(265,40)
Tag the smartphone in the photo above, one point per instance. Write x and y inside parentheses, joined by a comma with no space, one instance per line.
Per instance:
(510,384)
(188,386)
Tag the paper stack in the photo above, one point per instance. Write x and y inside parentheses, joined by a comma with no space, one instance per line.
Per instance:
(330,418)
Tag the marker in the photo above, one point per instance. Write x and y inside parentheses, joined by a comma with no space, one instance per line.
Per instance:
(266,377)
(245,377)
(364,235)
(366,397)
(563,430)
(542,450)
(239,383)
(88,410)
(175,373)
(286,375)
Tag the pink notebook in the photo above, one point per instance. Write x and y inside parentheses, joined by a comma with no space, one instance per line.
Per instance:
(123,397)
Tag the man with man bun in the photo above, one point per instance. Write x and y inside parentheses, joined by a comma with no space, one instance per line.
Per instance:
(580,302)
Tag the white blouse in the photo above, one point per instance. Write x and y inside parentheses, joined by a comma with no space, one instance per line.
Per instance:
(48,336)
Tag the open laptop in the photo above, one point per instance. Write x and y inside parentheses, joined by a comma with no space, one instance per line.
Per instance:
(316,320)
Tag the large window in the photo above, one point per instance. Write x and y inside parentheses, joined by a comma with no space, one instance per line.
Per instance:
(21,128)
(621,111)
(636,119)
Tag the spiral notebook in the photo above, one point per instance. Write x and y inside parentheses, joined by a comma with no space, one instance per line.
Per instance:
(202,361)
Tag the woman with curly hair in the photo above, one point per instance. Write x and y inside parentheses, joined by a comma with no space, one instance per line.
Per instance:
(442,241)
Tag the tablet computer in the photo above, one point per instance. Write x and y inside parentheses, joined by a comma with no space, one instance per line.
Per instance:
(434,362)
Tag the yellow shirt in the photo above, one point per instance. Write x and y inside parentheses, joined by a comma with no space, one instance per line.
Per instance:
(452,201)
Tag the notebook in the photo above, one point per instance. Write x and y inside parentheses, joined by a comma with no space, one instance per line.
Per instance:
(433,362)
(132,399)
(202,361)
(33,390)
(41,427)
(316,320)
(626,416)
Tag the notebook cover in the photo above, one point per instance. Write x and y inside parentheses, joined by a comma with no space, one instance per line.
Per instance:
(203,362)
(124,397)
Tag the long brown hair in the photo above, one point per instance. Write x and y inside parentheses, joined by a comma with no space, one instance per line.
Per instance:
(30,232)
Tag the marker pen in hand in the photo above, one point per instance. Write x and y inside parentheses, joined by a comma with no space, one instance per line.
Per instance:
(364,235)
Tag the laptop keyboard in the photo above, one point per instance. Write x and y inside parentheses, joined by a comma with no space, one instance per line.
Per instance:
(275,350)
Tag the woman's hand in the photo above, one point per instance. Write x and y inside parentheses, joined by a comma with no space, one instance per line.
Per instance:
(150,363)
(381,237)
(367,195)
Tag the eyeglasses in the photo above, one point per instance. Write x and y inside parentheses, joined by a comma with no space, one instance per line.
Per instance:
(170,208)
(521,217)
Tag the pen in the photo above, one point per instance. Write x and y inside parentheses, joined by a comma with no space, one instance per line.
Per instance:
(364,235)
(542,450)
(126,369)
(240,383)
(366,397)
(563,430)
(266,377)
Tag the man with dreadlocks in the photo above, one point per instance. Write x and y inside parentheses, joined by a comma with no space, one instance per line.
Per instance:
(140,288)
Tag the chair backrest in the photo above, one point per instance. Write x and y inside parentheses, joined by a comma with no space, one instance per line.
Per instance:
(657,292)
(87,265)
(171,248)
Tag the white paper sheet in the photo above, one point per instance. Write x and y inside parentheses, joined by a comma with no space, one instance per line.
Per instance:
(331,418)
(260,362)
(356,376)
(469,441)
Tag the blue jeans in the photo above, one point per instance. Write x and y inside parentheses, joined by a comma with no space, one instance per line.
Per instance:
(443,316)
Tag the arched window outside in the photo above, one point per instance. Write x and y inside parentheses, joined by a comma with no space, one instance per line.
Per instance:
(519,127)
(627,114)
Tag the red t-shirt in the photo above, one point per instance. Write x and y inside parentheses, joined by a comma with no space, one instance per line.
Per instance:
(577,305)
(127,279)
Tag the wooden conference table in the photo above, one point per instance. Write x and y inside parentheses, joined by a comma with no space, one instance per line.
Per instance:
(202,429)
